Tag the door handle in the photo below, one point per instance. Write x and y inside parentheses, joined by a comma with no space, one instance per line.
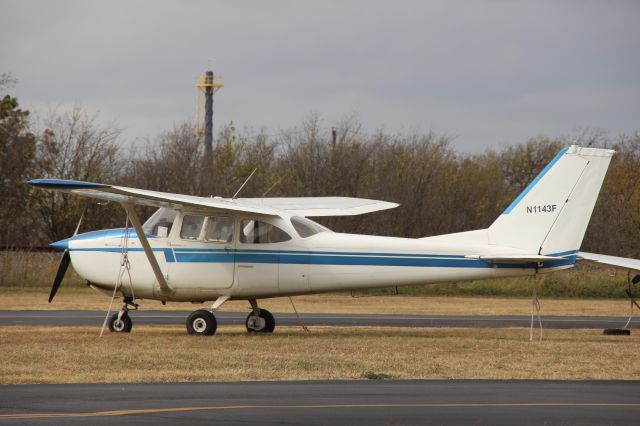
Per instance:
(245,266)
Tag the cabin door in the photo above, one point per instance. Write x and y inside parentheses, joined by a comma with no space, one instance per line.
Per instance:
(203,253)
(257,258)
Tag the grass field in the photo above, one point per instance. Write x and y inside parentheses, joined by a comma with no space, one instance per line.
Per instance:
(167,354)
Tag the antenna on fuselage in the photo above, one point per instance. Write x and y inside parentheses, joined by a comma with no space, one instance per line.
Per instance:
(272,186)
(245,182)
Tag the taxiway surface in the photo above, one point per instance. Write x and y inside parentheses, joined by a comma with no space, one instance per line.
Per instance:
(326,402)
(77,318)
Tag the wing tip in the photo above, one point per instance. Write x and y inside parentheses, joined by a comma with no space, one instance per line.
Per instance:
(64,184)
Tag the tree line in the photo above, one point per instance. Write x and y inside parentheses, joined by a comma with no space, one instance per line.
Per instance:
(440,190)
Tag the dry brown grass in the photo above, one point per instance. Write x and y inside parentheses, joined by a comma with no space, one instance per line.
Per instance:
(28,269)
(167,354)
(87,299)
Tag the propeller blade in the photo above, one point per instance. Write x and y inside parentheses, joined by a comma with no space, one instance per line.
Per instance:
(62,269)
(65,261)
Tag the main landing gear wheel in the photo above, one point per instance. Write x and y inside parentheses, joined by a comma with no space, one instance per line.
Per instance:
(262,323)
(122,325)
(201,323)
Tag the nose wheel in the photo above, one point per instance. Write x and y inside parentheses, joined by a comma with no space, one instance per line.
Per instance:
(121,322)
(260,320)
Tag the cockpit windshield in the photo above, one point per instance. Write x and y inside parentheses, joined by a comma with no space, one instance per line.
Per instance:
(160,223)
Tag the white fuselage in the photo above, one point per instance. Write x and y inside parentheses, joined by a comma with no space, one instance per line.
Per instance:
(198,270)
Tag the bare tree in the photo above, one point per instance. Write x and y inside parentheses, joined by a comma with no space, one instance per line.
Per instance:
(7,81)
(74,146)
(615,225)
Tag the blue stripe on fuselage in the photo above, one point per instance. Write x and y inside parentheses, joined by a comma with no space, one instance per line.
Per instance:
(563,253)
(333,258)
(204,257)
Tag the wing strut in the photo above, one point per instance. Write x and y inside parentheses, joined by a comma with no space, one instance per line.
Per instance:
(164,287)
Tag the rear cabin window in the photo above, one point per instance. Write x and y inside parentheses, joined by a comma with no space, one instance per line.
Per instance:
(219,230)
(305,227)
(258,232)
(191,227)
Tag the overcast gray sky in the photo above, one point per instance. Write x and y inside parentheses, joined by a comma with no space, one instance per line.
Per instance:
(485,72)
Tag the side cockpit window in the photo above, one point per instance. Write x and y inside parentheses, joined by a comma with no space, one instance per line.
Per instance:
(258,232)
(160,223)
(191,227)
(211,229)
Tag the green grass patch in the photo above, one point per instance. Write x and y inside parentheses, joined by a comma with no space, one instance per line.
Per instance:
(581,282)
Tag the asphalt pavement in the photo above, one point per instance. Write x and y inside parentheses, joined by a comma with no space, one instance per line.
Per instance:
(78,317)
(373,402)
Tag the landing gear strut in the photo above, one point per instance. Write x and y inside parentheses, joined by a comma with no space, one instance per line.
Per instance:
(203,321)
(121,322)
(259,320)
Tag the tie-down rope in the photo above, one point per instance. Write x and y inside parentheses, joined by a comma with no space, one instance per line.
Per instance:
(125,266)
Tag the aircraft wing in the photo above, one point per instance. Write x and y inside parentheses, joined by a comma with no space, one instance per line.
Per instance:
(143,197)
(302,206)
(600,259)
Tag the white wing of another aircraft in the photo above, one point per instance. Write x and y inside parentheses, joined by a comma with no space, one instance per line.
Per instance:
(297,206)
(620,262)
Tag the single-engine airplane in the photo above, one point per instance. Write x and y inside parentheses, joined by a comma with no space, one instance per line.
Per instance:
(195,249)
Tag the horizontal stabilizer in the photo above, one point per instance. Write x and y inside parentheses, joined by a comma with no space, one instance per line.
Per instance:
(603,259)
(517,258)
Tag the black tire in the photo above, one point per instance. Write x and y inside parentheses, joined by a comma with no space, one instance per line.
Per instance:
(123,326)
(201,323)
(268,326)
(616,332)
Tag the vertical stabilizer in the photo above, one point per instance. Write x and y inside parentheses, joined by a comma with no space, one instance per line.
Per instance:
(552,213)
